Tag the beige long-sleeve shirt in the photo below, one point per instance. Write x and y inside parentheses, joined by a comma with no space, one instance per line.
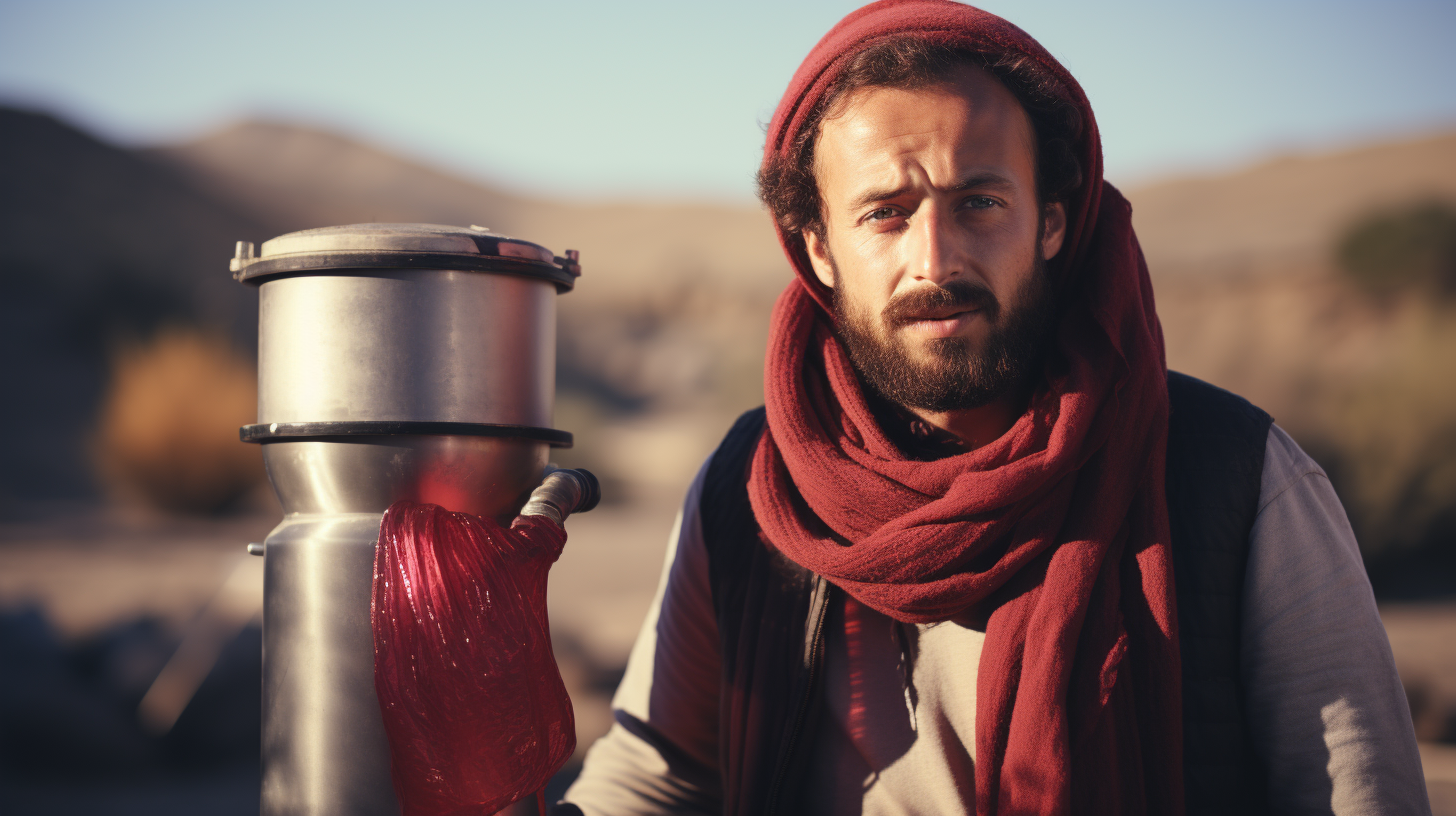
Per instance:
(1324,703)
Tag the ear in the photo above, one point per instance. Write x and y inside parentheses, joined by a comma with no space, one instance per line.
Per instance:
(819,257)
(1054,229)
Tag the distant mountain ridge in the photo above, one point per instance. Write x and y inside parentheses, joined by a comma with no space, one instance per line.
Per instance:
(98,242)
(1289,208)
(299,177)
(296,178)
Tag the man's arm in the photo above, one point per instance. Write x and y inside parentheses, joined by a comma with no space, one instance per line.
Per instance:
(1325,705)
(661,754)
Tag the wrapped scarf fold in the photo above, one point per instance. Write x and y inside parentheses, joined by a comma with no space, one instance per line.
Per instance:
(1056,534)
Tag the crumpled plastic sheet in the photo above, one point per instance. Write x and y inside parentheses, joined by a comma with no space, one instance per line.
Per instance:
(473,703)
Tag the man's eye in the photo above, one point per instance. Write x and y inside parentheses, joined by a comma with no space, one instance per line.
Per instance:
(980,203)
(881,214)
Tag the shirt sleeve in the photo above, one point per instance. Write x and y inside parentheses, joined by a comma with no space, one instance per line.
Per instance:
(661,754)
(1325,705)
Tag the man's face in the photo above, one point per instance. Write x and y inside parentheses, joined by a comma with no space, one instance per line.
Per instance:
(934,239)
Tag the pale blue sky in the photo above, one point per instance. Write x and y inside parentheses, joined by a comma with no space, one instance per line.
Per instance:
(651,98)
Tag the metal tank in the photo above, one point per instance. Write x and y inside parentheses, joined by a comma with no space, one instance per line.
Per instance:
(395,361)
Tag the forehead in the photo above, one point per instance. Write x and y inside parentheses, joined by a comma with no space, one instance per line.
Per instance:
(968,121)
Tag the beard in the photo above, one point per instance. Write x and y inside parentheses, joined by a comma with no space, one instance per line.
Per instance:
(953,373)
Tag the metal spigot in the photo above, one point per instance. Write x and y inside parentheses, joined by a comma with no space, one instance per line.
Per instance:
(563,491)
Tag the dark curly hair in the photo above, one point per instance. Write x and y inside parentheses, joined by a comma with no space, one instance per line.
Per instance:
(786,183)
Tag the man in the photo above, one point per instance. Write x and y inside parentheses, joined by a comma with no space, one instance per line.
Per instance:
(981,552)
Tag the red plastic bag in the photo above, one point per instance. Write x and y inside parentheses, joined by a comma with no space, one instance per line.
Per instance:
(474,706)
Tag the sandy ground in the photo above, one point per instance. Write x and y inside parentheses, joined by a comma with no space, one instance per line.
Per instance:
(91,571)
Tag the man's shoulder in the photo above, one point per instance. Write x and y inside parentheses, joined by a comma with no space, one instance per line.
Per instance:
(1199,408)
(749,423)
(1216,446)
(729,462)
(1285,465)
(724,498)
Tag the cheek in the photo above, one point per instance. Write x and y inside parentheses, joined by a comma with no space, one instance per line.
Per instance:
(861,310)
(854,301)
(1004,250)
(865,272)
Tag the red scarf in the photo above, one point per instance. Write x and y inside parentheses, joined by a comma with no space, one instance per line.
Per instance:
(1056,534)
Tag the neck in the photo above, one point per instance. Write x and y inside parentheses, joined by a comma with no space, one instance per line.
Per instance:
(977,426)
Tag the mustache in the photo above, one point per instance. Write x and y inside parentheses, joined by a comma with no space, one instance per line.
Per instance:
(958,294)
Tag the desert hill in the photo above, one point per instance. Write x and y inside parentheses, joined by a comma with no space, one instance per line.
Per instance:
(1286,209)
(662,342)
(97,245)
(298,178)
(81,215)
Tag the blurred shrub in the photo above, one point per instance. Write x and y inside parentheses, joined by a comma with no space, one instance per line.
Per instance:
(1408,247)
(168,430)
(1395,432)
(1389,426)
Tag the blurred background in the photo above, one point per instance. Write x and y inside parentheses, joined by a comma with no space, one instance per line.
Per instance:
(1292,168)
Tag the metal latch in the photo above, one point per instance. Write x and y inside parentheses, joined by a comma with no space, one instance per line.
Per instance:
(245,254)
(571,263)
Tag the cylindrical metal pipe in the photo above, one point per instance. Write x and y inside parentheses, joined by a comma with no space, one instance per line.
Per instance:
(324,748)
(408,344)
(396,361)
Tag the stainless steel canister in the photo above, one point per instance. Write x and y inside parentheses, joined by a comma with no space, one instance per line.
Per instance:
(395,361)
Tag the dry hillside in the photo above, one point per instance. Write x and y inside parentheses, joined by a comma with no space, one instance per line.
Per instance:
(1287,209)
(99,247)
(661,343)
(300,178)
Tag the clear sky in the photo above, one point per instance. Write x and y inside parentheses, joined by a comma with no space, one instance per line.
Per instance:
(606,99)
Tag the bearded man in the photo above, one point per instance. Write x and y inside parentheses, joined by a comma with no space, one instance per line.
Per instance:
(981,552)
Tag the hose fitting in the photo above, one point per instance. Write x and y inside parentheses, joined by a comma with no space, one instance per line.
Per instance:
(563,491)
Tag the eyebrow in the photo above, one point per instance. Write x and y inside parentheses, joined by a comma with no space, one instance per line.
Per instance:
(979,180)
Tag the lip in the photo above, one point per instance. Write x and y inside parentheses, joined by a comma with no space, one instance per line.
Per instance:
(947,326)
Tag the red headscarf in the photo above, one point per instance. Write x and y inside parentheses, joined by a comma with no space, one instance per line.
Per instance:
(1058,531)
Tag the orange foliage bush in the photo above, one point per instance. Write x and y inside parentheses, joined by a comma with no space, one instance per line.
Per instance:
(167,434)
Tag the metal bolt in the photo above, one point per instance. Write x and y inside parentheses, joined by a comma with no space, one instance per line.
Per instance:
(255,549)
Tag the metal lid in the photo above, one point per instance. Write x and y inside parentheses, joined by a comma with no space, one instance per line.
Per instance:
(411,246)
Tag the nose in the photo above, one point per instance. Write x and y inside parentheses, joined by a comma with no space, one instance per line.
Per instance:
(935,253)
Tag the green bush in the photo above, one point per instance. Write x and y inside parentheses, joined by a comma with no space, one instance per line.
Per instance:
(1400,249)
